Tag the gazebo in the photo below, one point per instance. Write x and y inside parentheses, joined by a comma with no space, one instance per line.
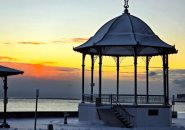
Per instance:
(128,36)
(4,73)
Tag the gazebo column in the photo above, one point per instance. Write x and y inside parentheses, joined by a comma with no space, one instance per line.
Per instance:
(135,75)
(92,76)
(83,76)
(100,73)
(147,79)
(167,79)
(5,125)
(164,79)
(117,90)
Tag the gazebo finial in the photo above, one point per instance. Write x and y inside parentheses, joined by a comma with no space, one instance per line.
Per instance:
(126,6)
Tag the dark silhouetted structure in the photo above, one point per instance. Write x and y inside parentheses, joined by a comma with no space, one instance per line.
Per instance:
(4,73)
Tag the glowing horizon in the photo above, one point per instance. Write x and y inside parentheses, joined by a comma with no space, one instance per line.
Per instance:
(37,33)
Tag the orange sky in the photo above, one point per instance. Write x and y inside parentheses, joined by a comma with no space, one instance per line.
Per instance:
(36,33)
(38,37)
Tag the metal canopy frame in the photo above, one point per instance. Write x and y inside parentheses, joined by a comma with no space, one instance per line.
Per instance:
(4,73)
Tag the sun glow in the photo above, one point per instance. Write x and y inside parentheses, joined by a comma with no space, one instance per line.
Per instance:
(44,35)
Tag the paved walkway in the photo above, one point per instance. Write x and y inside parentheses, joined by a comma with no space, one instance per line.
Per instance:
(73,124)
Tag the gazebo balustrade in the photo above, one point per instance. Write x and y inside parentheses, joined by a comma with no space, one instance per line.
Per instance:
(125,99)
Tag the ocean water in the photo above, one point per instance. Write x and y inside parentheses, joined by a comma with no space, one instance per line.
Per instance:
(55,105)
(15,105)
(180,107)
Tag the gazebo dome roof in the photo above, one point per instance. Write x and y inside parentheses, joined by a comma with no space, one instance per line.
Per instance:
(124,34)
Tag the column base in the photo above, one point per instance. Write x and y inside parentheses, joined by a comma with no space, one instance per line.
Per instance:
(4,126)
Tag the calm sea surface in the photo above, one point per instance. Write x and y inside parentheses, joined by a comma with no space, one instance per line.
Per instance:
(54,105)
(43,105)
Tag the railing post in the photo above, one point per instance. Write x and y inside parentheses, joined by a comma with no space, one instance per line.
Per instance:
(36,105)
(173,102)
(111,100)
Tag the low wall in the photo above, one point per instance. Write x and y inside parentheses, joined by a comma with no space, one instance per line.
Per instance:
(151,115)
(40,114)
(87,112)
(144,115)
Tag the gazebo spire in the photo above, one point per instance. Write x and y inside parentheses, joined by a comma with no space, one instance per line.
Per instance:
(126,6)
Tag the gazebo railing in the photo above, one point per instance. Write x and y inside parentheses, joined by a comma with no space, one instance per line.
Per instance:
(125,98)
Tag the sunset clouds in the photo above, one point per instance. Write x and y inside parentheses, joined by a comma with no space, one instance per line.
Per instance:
(66,81)
(33,43)
(38,38)
(71,40)
(45,72)
(76,40)
(7,58)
